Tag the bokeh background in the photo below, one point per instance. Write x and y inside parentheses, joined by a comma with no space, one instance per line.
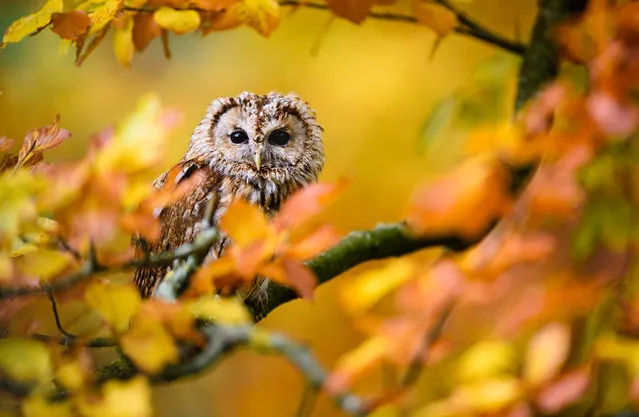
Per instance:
(372,86)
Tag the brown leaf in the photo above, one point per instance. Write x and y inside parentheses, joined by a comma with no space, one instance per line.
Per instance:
(353,10)
(70,25)
(6,143)
(97,39)
(42,139)
(145,29)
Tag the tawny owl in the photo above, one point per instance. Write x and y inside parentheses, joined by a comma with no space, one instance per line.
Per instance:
(260,148)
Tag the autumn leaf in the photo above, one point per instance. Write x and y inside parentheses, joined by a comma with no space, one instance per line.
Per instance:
(486,359)
(178,21)
(465,201)
(245,223)
(6,143)
(219,310)
(353,10)
(130,398)
(145,29)
(117,304)
(24,359)
(39,406)
(123,40)
(547,352)
(261,15)
(369,287)
(149,345)
(44,263)
(356,362)
(32,23)
(489,395)
(42,139)
(307,203)
(70,25)
(103,15)
(564,391)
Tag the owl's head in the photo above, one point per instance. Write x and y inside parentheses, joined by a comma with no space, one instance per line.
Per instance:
(260,137)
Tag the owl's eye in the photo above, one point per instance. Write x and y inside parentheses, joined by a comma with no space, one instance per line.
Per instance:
(279,138)
(239,136)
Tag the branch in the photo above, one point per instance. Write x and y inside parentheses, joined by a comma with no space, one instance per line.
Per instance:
(221,340)
(542,58)
(384,241)
(468,26)
(91,266)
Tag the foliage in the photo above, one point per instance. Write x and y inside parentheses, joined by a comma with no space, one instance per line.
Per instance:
(539,316)
(136,23)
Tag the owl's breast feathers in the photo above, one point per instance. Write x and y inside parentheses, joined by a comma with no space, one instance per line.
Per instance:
(181,221)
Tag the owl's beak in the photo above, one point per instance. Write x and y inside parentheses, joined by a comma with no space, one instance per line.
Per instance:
(258,156)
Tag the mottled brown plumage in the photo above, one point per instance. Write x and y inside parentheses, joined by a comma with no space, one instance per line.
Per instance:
(260,148)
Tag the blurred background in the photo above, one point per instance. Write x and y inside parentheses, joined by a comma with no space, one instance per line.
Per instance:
(373,86)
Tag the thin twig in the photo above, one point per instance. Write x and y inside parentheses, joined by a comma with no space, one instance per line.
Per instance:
(54,307)
(96,342)
(468,26)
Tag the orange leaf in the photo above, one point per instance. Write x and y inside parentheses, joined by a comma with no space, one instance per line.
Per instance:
(145,29)
(42,139)
(245,223)
(202,281)
(307,203)
(70,25)
(6,143)
(299,277)
(353,10)
(566,390)
(466,201)
(313,244)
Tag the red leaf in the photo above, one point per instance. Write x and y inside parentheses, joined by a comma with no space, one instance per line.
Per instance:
(613,117)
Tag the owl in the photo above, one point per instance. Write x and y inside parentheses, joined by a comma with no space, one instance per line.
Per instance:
(259,148)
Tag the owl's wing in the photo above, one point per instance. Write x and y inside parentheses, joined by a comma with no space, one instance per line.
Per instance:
(179,222)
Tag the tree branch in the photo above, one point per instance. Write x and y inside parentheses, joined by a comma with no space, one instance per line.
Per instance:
(91,266)
(468,26)
(542,59)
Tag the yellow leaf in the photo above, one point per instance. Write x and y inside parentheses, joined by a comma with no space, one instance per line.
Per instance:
(149,345)
(44,263)
(178,21)
(29,24)
(489,396)
(368,288)
(102,15)
(435,16)
(24,359)
(144,129)
(130,398)
(219,310)
(354,363)
(36,406)
(20,192)
(245,223)
(261,15)
(123,40)
(486,359)
(621,349)
(115,303)
(547,352)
